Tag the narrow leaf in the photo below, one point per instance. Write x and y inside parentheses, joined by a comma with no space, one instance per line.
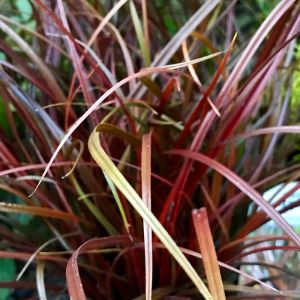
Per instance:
(123,185)
(208,252)
(74,283)
(37,211)
(40,282)
(119,203)
(146,196)
(170,49)
(140,33)
(143,73)
(244,187)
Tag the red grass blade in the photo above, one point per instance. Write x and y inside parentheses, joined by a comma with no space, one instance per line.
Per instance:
(253,45)
(74,283)
(244,187)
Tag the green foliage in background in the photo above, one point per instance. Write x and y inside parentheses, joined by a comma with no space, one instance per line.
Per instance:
(7,273)
(295,98)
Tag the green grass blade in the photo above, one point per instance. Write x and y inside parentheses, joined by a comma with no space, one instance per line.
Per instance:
(140,34)
(93,208)
(118,201)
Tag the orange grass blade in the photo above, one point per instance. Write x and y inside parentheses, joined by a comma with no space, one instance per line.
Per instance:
(194,75)
(208,252)
(37,211)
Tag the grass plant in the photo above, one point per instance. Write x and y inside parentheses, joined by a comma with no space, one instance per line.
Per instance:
(137,139)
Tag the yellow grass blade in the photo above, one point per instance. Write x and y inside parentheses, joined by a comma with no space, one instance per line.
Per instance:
(108,167)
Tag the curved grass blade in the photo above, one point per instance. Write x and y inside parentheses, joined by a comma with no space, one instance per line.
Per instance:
(108,167)
(74,283)
(252,46)
(32,55)
(143,73)
(105,21)
(79,155)
(40,282)
(123,135)
(39,249)
(194,75)
(269,130)
(78,66)
(244,187)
